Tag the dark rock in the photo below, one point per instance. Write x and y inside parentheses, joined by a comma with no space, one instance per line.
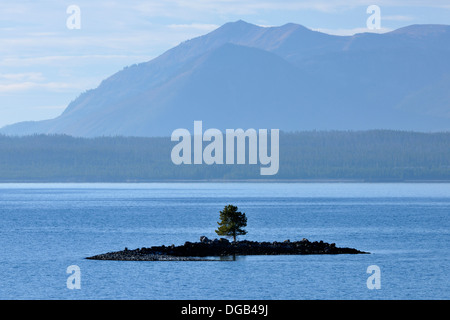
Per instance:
(223,247)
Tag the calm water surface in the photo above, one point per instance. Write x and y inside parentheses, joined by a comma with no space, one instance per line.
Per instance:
(44,228)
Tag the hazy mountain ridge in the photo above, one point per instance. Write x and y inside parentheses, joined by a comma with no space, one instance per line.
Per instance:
(287,77)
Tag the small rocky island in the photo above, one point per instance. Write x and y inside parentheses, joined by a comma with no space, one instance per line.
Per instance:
(231,224)
(207,249)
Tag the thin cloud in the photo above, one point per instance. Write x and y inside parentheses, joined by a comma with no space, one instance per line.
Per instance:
(64,59)
(60,107)
(29,85)
(249,7)
(26,76)
(397,18)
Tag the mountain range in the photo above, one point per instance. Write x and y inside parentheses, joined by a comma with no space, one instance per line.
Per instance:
(288,77)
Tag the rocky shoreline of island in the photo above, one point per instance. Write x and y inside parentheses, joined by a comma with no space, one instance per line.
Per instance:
(206,249)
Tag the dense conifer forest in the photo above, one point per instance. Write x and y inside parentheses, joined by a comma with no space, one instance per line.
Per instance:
(378,155)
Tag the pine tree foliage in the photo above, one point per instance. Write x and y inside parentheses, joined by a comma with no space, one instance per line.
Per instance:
(231,222)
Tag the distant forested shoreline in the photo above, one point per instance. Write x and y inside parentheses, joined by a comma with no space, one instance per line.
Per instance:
(370,156)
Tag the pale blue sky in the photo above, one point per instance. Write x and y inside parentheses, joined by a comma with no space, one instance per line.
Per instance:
(44,65)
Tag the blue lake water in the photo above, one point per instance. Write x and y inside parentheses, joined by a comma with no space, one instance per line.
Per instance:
(44,228)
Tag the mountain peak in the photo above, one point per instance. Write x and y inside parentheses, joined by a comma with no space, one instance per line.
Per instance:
(422,29)
(291,25)
(238,25)
(240,22)
(242,25)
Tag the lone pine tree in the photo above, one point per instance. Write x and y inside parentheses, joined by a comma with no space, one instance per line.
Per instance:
(231,222)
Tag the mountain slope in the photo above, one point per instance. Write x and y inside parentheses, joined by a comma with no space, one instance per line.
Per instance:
(286,77)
